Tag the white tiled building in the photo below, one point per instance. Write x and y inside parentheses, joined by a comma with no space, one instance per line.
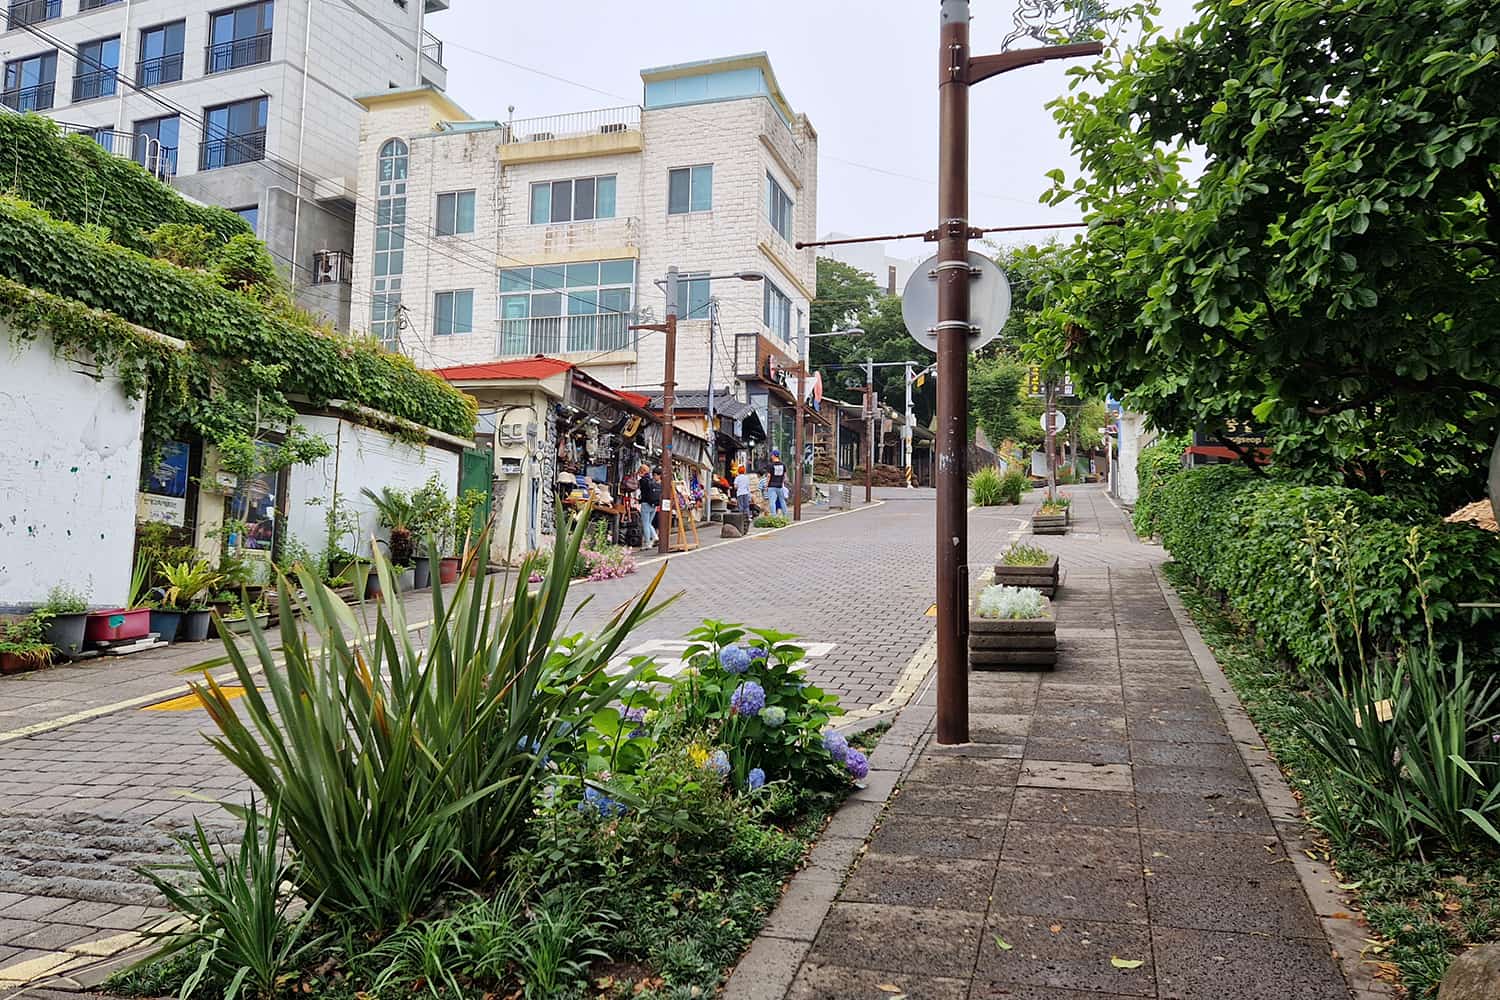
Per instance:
(244,105)
(481,240)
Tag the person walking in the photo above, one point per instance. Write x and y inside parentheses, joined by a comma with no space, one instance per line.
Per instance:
(742,490)
(776,489)
(649,493)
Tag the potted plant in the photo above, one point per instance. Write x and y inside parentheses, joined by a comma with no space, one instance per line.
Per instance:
(1012,628)
(188,587)
(1051,518)
(1028,566)
(237,622)
(22,645)
(396,513)
(429,512)
(130,622)
(63,618)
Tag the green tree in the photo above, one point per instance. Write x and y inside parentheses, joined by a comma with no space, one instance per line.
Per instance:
(995,386)
(1332,269)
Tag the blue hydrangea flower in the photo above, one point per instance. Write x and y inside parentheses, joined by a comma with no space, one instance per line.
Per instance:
(533,747)
(773,716)
(596,801)
(734,659)
(638,716)
(836,745)
(755,778)
(718,763)
(758,652)
(748,699)
(857,764)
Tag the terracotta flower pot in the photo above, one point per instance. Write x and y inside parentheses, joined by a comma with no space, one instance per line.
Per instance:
(448,569)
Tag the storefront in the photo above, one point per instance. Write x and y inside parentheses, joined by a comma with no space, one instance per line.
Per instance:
(603,437)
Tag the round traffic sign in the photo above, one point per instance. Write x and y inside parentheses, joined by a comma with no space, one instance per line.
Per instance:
(1061,420)
(989,302)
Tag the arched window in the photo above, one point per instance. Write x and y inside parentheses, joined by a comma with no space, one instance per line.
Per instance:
(390,244)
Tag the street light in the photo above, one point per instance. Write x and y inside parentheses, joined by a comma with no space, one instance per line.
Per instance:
(668,386)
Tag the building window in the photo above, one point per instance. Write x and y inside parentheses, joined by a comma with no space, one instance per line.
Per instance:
(577,200)
(390,243)
(251,214)
(96,69)
(234,134)
(690,189)
(454,312)
(695,297)
(95,4)
(566,307)
(24,12)
(455,213)
(160,60)
(156,145)
(778,312)
(240,36)
(778,208)
(30,83)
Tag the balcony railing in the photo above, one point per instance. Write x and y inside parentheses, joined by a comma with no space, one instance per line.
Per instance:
(332,267)
(87,86)
(432,47)
(233,150)
(562,334)
(601,122)
(38,98)
(95,4)
(162,69)
(239,52)
(159,160)
(34,12)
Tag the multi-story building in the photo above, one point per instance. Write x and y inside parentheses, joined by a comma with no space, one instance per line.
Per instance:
(246,105)
(491,240)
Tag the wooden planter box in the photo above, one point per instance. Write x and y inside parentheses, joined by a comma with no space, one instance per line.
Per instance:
(1008,644)
(1049,524)
(1043,578)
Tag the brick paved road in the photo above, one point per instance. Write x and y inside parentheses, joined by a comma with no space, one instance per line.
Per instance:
(84,804)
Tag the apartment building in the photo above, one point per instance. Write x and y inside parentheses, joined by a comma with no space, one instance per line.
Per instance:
(484,240)
(249,105)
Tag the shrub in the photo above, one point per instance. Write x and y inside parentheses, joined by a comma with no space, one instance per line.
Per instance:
(772,521)
(1156,464)
(1025,555)
(63,601)
(985,487)
(1011,602)
(1325,572)
(1013,484)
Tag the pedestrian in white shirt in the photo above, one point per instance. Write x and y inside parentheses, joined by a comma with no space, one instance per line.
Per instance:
(742,490)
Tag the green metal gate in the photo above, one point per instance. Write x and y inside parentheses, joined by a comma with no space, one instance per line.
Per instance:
(476,470)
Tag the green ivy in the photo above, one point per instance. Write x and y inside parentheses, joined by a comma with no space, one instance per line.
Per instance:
(1157,463)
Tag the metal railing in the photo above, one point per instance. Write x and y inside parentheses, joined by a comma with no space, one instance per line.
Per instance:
(95,4)
(38,98)
(159,160)
(332,267)
(604,121)
(608,331)
(238,52)
(432,47)
(33,12)
(87,86)
(232,150)
(162,69)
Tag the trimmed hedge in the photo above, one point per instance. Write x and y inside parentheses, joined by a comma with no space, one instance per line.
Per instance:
(1157,462)
(1250,539)
(71,177)
(79,263)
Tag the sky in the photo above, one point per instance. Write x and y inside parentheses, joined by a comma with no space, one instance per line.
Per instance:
(865,74)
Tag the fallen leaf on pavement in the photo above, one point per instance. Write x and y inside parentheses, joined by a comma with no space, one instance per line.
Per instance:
(1126,963)
(1055,928)
(1001,943)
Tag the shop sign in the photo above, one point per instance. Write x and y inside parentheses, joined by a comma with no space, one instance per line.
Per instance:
(1243,433)
(163,496)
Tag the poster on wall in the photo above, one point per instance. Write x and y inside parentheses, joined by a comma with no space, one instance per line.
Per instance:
(254,503)
(163,496)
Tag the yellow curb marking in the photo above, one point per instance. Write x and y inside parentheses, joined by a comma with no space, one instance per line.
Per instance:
(29,971)
(105,947)
(190,702)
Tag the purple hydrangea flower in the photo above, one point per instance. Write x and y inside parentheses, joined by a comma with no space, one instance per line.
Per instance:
(857,764)
(718,763)
(638,716)
(755,779)
(758,652)
(773,716)
(734,659)
(748,699)
(836,745)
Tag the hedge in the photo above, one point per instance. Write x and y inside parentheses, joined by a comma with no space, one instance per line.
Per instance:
(223,327)
(1156,463)
(1253,540)
(71,177)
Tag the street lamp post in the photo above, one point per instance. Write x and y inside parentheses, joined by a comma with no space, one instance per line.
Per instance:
(668,394)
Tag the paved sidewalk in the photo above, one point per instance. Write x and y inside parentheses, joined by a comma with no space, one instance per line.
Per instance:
(1100,838)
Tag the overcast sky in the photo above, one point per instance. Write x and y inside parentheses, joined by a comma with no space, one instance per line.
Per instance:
(864,72)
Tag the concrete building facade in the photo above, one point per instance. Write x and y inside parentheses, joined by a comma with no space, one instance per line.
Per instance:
(546,236)
(249,105)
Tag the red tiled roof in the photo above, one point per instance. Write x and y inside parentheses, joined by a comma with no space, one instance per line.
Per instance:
(538,367)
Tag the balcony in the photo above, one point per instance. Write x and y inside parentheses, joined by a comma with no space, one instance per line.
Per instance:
(233,150)
(432,47)
(162,69)
(570,136)
(87,5)
(570,237)
(88,86)
(34,12)
(237,53)
(332,267)
(555,335)
(38,98)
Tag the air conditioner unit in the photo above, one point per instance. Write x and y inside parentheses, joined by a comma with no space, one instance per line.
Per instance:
(613,127)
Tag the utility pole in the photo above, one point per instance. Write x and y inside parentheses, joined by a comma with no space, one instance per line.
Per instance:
(668,410)
(869,424)
(957,71)
(801,417)
(907,429)
(1050,390)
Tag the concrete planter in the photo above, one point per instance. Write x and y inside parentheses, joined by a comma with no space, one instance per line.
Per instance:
(1043,578)
(1013,644)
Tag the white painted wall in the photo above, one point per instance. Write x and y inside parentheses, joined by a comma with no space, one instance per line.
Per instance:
(72,451)
(1133,437)
(360,456)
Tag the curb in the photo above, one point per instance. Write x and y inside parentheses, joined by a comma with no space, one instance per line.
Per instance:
(1332,906)
(767,969)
